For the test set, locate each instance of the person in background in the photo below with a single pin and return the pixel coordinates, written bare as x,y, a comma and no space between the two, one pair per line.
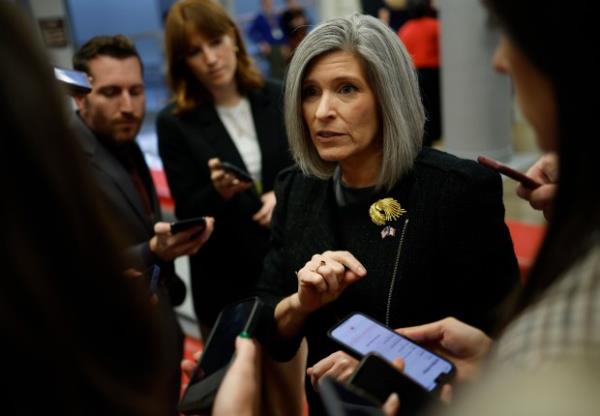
421,36
554,320
107,122
294,24
78,337
222,110
266,31
370,221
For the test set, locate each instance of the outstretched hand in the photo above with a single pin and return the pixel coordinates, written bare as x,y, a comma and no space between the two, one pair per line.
324,278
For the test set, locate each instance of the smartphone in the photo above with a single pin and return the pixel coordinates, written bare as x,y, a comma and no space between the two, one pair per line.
525,180
240,174
378,378
360,334
345,400
182,225
217,354
76,82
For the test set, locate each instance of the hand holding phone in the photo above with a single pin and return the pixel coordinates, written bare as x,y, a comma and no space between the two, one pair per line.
240,174
360,334
525,180
243,316
378,378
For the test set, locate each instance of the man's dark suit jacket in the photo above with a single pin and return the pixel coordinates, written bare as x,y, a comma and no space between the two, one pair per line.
125,209
186,143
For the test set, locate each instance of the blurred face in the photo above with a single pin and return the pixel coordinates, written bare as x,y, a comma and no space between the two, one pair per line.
213,60
533,90
340,111
115,107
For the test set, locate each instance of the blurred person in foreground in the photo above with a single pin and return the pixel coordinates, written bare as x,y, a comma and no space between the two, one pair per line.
370,221
552,328
79,338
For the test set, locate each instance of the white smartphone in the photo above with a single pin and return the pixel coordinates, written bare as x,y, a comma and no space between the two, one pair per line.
360,335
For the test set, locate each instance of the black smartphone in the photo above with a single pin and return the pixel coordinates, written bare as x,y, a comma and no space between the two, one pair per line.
182,225
345,400
76,82
360,334
525,180
240,174
379,378
218,351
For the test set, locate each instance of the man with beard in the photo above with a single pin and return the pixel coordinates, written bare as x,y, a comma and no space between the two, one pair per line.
108,120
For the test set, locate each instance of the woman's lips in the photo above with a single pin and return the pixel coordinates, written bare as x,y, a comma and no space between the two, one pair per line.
327,135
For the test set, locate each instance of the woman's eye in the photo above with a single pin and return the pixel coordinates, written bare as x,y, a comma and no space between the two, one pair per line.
216,41
193,51
348,89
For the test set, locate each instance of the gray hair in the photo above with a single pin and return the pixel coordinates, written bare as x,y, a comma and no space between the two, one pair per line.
393,81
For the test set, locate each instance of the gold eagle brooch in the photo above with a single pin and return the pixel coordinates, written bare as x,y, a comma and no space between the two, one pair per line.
386,210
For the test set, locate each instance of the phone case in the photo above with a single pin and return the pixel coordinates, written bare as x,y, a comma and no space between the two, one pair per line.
379,379
182,225
344,399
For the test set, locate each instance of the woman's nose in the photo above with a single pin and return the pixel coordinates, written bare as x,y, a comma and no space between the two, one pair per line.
325,106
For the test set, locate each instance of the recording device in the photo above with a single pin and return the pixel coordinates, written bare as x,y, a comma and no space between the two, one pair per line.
525,180
76,82
240,174
345,400
218,352
379,379
188,223
360,334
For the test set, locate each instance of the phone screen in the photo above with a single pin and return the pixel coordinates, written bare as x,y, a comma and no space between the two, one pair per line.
220,345
364,335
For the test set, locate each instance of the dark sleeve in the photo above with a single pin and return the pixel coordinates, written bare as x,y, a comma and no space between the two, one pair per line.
278,280
186,169
477,246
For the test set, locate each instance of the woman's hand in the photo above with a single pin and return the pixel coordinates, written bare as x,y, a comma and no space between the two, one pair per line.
226,184
240,391
462,344
545,171
325,277
338,365
263,216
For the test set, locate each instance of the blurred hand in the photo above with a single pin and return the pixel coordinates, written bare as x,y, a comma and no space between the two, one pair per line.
338,365
240,392
263,216
188,366
462,344
545,171
226,184
168,247
325,277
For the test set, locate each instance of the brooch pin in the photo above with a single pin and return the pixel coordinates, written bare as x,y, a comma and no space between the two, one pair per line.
386,210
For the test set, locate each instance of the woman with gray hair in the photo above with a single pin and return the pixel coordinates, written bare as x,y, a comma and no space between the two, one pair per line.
368,220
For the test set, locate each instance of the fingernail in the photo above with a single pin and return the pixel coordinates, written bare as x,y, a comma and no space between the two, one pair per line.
245,335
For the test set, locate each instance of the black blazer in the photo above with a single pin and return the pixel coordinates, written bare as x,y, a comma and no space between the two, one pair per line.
452,255
186,143
124,206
